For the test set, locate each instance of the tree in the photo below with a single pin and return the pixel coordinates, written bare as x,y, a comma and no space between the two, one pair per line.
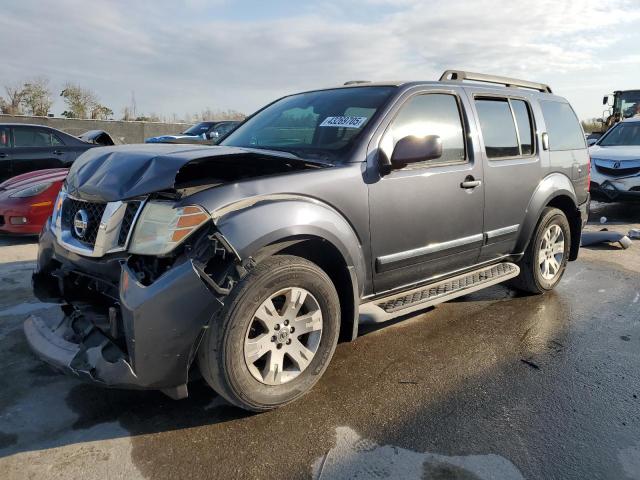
13,104
83,103
37,97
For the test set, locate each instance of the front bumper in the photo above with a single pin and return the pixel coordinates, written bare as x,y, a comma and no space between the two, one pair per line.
614,189
145,339
35,214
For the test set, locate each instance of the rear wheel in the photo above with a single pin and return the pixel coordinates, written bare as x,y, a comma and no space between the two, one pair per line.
275,335
546,257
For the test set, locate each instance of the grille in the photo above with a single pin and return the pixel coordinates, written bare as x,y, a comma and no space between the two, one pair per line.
94,214
618,172
127,222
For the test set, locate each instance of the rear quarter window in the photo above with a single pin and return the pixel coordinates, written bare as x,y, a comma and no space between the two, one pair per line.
563,127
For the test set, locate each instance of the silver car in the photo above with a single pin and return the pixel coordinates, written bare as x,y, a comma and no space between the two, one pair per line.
615,162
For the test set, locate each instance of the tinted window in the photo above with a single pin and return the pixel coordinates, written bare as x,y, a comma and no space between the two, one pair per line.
623,134
55,141
498,129
563,128
4,137
523,122
315,124
31,137
432,114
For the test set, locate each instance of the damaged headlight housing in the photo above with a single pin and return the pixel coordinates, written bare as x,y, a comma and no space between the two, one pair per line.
161,227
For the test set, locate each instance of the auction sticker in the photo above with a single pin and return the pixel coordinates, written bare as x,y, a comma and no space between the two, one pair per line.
344,122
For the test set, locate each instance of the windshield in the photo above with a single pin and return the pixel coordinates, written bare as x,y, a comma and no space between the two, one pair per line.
322,124
198,129
622,134
628,103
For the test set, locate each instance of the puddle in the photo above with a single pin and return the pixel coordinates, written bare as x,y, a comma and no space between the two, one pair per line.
356,457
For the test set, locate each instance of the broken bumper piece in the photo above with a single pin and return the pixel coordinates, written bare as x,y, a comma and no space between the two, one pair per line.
145,338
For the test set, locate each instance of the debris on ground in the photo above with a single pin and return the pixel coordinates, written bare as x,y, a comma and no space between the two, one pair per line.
634,233
605,236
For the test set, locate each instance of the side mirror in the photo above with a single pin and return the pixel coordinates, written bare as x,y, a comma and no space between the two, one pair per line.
605,100
413,149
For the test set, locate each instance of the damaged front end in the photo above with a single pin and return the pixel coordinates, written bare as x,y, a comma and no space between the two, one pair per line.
127,319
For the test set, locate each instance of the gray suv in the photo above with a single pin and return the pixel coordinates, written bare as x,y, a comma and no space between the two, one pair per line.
250,260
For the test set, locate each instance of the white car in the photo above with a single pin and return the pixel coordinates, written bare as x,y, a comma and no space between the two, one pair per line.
615,163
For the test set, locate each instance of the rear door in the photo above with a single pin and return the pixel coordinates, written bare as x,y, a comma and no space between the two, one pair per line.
424,219
36,149
512,167
5,153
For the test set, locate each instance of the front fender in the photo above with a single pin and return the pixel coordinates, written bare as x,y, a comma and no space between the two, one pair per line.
552,186
251,224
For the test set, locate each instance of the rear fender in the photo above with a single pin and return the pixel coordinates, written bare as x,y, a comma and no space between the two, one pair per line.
553,186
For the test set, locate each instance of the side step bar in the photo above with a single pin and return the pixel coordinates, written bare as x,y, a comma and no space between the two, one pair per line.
383,309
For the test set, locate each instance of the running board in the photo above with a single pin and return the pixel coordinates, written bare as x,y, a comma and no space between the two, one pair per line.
431,294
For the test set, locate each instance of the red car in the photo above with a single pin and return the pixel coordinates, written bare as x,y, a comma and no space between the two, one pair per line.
26,201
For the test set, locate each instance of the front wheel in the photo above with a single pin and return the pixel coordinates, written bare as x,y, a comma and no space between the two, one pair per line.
546,257
275,335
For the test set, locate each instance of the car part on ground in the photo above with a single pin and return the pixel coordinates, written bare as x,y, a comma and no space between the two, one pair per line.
255,256
605,236
26,201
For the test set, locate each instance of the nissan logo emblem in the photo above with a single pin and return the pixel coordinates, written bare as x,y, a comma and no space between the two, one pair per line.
80,223
616,164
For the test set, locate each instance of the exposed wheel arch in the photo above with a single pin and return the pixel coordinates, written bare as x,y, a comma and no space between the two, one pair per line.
327,256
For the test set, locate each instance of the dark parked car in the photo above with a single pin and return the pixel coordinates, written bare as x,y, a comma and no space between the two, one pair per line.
206,133
249,260
26,148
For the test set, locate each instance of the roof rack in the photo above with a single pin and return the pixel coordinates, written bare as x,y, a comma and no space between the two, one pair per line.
459,75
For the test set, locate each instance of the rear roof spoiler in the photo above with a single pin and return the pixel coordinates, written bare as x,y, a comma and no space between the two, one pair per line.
460,75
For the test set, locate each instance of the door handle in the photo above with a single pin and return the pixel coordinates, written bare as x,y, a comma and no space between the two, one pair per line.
58,152
470,182
3,155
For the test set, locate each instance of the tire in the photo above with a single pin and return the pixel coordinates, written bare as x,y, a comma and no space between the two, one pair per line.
228,349
532,276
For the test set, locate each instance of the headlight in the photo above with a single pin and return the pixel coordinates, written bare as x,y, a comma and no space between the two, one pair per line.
161,227
31,191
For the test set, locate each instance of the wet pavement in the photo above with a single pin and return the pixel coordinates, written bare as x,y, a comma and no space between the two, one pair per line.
491,385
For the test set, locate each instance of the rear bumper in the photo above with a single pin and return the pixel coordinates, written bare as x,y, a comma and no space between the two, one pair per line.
146,338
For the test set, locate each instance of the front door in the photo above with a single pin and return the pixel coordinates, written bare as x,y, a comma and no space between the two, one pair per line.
5,153
427,218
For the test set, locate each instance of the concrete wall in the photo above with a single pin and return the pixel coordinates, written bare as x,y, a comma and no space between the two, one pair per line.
125,132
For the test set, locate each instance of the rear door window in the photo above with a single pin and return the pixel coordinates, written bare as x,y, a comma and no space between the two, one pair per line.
498,128
4,137
563,127
523,121
31,137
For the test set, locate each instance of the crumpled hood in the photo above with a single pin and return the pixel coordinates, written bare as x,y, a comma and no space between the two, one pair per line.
108,174
615,153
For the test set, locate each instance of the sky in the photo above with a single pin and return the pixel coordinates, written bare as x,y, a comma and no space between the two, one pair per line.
184,57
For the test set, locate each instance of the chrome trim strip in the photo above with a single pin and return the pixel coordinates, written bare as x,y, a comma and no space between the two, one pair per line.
428,250
499,232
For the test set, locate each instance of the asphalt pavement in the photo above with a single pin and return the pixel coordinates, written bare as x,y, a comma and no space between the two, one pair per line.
494,385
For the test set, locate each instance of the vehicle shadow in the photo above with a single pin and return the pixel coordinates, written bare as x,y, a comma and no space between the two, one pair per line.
11,240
